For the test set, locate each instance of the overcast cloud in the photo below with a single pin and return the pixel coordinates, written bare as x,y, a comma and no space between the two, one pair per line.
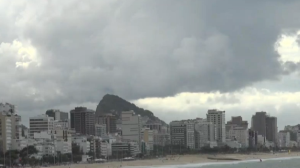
60,54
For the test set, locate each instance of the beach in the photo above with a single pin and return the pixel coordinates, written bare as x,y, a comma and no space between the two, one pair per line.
183,159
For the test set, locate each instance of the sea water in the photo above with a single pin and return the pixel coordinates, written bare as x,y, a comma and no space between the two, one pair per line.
289,162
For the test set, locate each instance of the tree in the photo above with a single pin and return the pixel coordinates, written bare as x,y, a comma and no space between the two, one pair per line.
11,156
26,152
76,149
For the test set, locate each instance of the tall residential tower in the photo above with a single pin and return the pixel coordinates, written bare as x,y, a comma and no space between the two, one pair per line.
218,119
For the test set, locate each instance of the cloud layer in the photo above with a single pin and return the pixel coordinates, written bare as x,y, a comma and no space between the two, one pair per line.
62,53
284,105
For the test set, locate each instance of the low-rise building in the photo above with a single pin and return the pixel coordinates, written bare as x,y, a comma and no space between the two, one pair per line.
293,144
105,149
19,144
61,124
83,143
125,149
233,144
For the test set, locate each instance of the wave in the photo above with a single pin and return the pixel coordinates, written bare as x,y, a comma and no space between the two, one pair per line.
197,165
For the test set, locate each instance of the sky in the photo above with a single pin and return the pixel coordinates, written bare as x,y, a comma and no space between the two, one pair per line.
175,58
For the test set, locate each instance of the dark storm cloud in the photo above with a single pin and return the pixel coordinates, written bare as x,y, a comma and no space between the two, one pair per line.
139,49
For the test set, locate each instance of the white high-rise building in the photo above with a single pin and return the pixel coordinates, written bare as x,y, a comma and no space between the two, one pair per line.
131,126
218,119
283,139
241,135
6,135
9,126
190,134
204,133
40,123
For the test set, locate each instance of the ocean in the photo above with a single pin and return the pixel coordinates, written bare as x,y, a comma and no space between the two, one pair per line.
291,162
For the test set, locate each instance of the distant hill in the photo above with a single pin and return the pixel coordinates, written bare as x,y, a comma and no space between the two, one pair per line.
115,105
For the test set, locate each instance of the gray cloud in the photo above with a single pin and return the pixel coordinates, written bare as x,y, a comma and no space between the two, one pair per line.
139,49
283,114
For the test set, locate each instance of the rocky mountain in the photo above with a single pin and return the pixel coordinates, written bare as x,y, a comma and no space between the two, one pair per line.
115,105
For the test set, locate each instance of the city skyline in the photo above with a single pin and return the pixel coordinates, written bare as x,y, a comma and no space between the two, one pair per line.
176,60
227,117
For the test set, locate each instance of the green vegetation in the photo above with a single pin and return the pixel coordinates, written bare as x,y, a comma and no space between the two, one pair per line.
114,104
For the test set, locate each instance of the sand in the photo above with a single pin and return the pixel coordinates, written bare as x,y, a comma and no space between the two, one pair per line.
181,159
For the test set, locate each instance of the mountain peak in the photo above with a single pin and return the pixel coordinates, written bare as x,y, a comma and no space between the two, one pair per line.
116,105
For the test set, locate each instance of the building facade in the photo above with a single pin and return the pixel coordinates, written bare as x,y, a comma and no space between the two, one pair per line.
131,126
241,135
235,122
83,143
83,120
58,115
258,123
6,135
40,123
100,130
271,129
265,125
204,133
218,119
110,121
148,138
10,128
178,133
284,139
252,138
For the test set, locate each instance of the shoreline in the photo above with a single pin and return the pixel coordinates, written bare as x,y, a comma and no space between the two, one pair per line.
188,159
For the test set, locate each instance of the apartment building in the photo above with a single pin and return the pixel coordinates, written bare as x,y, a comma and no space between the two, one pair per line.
271,129
183,133
63,124
148,138
83,143
238,121
6,134
241,135
40,123
178,133
153,125
218,119
58,115
110,121
265,125
252,138
190,134
125,149
235,122
284,139
83,120
100,130
62,139
204,133
131,126
105,149
10,127
161,138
